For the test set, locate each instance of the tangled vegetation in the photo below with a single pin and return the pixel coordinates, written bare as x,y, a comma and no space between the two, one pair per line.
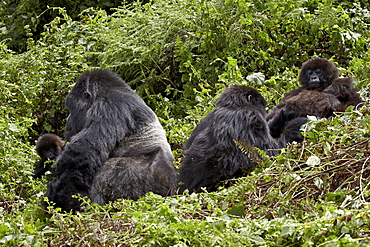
179,55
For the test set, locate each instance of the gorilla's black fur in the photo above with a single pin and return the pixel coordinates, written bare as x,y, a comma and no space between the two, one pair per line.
321,94
48,147
117,149
211,154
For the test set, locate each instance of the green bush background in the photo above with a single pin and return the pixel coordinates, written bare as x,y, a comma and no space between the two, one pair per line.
179,55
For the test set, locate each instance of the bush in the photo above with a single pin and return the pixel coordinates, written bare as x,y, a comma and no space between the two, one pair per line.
15,15
37,81
179,55
174,49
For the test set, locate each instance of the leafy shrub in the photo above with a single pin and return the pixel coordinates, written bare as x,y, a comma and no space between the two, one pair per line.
179,55
174,49
37,81
35,14
188,43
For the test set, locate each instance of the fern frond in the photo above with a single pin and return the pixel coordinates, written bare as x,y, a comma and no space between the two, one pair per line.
251,151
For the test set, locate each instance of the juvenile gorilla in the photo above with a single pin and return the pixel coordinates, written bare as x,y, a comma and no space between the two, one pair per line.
117,149
321,94
48,147
211,154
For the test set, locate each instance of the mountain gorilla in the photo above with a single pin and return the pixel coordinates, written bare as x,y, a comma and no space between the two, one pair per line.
117,149
48,147
321,94
211,154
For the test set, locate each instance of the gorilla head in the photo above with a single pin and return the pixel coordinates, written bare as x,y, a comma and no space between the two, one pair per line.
48,147
93,89
317,74
240,96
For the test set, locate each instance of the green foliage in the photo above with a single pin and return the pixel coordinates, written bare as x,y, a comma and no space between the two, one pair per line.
15,160
15,15
36,82
19,194
179,56
175,49
190,43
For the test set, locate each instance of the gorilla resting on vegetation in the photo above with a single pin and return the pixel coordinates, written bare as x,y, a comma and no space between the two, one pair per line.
321,94
48,147
117,149
211,154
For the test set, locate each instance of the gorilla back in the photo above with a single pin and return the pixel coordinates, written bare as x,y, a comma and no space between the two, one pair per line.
117,149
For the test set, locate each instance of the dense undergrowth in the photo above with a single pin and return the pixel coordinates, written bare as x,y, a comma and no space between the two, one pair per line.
179,55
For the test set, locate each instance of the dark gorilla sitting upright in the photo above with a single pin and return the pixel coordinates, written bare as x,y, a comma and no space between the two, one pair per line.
117,149
211,154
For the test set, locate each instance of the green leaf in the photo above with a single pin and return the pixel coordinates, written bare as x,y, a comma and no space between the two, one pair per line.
4,229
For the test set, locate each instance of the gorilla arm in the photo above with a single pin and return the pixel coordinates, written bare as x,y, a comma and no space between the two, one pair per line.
276,110
344,91
308,102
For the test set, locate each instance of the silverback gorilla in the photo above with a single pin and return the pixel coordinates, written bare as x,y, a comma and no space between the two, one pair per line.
321,94
48,147
211,154
117,149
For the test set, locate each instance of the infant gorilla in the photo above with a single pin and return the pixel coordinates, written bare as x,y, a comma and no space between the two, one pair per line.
48,147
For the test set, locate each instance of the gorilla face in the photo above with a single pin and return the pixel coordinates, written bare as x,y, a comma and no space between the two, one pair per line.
315,78
317,74
51,153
